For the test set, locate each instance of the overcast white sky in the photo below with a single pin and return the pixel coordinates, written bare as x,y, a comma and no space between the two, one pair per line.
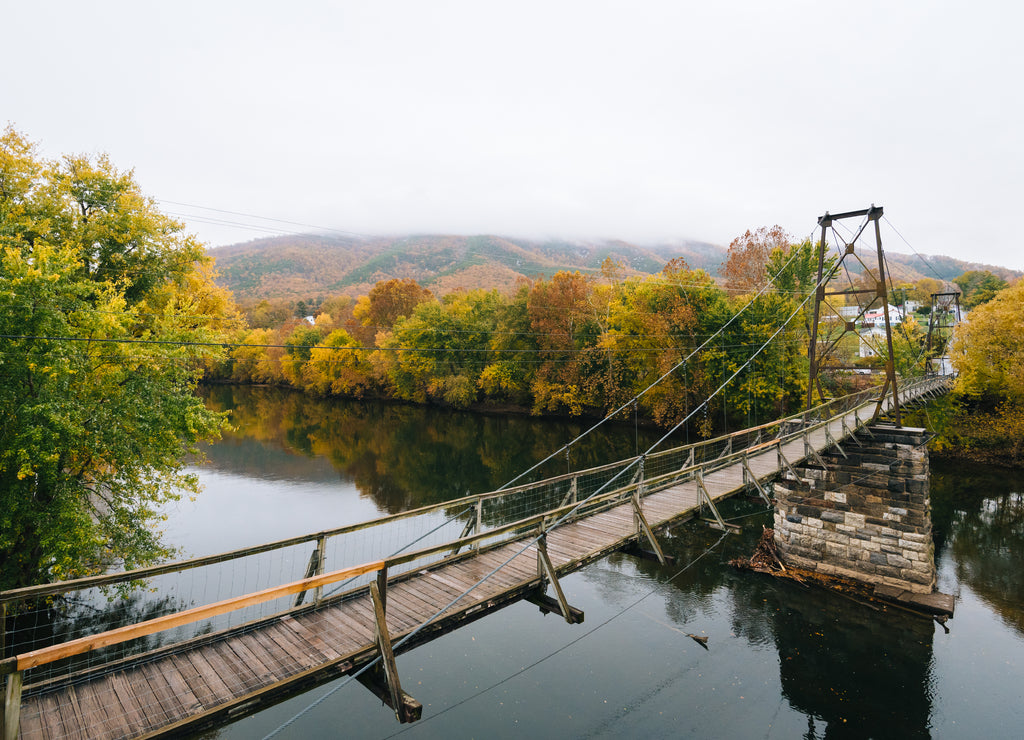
634,120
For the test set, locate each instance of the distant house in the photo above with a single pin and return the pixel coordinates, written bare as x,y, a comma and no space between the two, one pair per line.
872,337
876,316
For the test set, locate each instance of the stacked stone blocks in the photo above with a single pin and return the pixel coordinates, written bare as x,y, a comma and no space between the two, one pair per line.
867,516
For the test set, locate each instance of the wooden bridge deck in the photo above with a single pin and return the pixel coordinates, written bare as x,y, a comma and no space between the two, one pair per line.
205,684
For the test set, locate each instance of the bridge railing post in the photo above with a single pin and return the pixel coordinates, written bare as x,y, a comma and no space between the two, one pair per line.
321,561
638,494
315,568
479,521
12,705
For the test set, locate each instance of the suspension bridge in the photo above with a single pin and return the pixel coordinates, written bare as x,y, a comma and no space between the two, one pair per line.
182,647
179,662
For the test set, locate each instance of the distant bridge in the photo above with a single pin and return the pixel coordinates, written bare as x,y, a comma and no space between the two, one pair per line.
220,637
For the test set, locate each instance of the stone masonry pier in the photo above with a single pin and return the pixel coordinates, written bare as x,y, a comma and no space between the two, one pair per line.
864,515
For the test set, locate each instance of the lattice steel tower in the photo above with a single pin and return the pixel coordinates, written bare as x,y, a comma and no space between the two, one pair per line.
833,322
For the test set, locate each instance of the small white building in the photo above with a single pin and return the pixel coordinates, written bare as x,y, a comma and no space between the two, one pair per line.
876,316
872,337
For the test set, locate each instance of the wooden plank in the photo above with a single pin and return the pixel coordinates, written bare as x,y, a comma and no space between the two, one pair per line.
584,536
660,507
434,593
71,714
414,602
263,673
132,708
562,553
600,535
361,619
32,721
309,627
344,624
270,656
225,663
574,548
448,580
300,652
213,682
443,597
98,721
603,531
206,696
49,711
522,566
473,571
603,538
160,699
405,613
183,693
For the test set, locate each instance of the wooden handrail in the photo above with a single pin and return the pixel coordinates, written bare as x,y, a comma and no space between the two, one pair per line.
169,621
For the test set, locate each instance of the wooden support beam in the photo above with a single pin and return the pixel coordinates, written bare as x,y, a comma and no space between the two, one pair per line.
817,457
552,576
387,657
315,568
470,524
551,606
570,495
851,433
375,680
830,438
382,586
12,705
645,529
719,522
753,479
784,461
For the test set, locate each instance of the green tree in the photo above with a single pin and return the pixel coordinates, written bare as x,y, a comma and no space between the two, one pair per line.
453,338
102,302
979,286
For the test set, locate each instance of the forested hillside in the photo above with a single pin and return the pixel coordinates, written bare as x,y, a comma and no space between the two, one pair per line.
309,266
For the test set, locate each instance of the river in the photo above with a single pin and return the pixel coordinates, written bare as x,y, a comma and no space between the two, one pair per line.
781,661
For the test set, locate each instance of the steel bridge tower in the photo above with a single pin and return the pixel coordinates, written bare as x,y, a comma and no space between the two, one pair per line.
832,322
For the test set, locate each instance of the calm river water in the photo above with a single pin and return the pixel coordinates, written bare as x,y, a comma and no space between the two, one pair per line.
781,661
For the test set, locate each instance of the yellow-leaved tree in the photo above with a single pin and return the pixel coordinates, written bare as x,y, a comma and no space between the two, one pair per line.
988,354
107,309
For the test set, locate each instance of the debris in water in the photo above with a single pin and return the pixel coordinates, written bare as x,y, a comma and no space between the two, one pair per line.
702,641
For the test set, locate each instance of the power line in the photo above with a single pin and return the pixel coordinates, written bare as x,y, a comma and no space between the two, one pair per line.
262,218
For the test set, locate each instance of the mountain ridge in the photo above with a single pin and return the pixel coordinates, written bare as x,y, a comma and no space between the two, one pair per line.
307,265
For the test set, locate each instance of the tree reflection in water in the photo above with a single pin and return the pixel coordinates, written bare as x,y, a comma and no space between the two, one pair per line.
405,456
978,513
